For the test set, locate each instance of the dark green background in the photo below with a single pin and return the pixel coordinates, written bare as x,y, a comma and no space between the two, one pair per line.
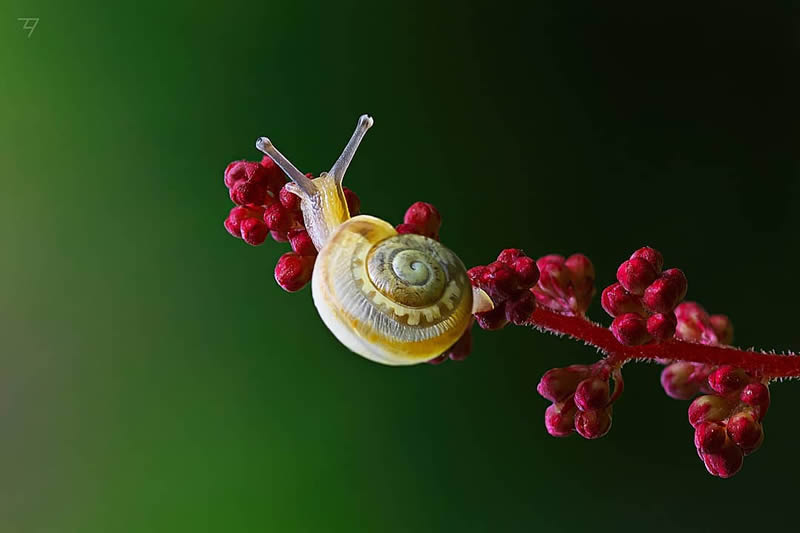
153,377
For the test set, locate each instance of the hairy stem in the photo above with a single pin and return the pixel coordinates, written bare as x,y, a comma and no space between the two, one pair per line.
760,364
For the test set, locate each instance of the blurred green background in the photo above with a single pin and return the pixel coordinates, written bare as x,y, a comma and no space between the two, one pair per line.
155,378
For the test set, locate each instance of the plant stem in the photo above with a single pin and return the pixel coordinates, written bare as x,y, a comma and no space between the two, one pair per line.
760,364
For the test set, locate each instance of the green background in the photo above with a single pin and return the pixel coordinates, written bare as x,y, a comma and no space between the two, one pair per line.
153,377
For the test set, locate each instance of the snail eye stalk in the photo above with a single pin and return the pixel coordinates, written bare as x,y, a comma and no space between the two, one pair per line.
265,146
339,168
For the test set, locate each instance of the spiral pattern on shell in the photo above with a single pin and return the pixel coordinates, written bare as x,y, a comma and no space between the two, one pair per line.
395,299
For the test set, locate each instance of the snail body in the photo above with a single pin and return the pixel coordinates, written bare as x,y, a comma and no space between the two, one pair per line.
395,299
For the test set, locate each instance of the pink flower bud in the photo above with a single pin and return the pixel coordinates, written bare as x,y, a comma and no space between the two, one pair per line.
756,395
581,271
662,326
553,278
725,463
727,379
708,408
294,271
683,380
630,329
666,292
559,418
710,437
592,394
593,424
650,255
745,431
635,275
557,384
519,309
253,231
617,301
694,324
301,242
723,327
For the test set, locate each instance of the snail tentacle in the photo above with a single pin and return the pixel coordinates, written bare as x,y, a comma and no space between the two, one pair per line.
339,168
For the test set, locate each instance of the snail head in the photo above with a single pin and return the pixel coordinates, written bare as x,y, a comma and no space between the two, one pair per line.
322,200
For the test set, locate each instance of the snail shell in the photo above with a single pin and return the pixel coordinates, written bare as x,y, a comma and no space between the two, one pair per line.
394,299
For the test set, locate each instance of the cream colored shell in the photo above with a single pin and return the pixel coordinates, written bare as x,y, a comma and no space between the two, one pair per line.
394,299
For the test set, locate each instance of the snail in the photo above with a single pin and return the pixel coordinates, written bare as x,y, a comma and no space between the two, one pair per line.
395,299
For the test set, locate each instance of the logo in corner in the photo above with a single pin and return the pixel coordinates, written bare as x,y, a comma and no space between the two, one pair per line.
29,23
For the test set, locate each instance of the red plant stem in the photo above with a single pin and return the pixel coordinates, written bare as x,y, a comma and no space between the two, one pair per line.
760,364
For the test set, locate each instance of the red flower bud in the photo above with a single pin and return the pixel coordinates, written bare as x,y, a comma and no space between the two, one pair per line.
662,326
650,255
499,281
527,271
294,271
289,200
745,431
727,379
425,216
254,231
617,301
666,292
246,192
592,394
756,395
559,418
635,275
279,219
593,424
509,255
710,437
559,383
301,242
708,408
630,329
725,463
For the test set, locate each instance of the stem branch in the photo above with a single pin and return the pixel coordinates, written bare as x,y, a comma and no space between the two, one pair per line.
760,364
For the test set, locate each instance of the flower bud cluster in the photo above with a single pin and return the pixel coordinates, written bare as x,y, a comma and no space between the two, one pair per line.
644,298
565,285
508,282
683,380
727,422
582,401
265,206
